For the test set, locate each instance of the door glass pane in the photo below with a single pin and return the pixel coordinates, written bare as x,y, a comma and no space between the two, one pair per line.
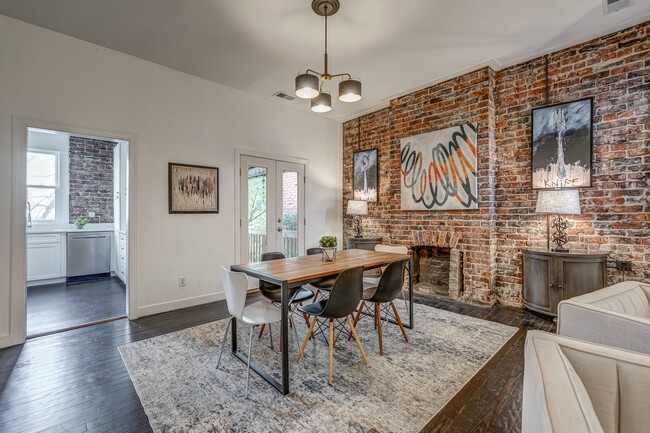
257,210
41,203
290,213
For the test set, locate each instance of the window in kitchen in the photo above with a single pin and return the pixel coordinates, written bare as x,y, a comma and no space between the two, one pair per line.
43,185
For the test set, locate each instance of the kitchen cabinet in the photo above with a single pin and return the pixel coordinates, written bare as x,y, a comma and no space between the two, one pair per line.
44,252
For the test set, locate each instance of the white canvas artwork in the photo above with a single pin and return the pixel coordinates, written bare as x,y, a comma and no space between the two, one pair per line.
439,170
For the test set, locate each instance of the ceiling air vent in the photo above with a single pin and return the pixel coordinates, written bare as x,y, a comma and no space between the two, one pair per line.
610,6
284,96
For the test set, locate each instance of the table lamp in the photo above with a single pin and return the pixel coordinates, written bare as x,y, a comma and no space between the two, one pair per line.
559,202
358,208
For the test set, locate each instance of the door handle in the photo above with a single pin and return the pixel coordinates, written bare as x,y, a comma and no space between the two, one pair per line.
279,229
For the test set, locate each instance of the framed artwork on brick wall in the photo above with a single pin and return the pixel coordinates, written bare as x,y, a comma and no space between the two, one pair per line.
562,139
439,169
366,174
193,189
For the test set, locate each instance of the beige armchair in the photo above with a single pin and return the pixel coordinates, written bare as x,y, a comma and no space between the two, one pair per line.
572,386
617,316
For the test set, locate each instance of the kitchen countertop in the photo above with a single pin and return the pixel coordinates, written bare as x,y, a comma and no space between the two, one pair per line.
69,230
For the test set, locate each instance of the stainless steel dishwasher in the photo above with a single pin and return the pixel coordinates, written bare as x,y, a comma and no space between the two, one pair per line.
88,255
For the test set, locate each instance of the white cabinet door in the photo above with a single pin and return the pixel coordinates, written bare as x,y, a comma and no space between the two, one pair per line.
43,261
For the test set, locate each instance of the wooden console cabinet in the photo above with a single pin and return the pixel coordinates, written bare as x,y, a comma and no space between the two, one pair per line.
549,277
362,243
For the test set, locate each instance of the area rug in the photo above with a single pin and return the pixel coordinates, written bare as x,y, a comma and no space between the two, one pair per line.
181,390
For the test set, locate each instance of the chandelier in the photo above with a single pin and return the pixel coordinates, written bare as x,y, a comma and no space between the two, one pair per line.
310,84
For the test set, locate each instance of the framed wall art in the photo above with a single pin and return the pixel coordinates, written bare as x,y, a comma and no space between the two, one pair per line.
193,189
366,174
439,169
562,140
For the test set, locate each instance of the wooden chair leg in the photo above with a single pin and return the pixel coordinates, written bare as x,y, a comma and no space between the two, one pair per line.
363,303
331,349
311,329
356,337
399,321
378,321
315,296
262,330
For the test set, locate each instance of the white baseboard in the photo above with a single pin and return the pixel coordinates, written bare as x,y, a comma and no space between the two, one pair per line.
5,341
45,282
163,307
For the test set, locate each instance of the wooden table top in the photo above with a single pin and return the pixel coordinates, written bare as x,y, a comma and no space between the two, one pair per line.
304,268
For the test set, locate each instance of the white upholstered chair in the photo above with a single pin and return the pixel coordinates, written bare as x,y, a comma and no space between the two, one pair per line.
617,316
571,386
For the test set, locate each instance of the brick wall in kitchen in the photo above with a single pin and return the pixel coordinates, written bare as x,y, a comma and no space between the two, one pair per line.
91,179
614,70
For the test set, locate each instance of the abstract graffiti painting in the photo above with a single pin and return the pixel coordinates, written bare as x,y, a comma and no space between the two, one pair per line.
365,175
561,148
439,169
193,189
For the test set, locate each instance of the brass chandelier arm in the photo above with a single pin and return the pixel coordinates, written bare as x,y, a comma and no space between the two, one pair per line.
345,74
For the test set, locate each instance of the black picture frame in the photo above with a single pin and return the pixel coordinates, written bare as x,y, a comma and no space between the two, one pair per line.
365,175
576,148
201,195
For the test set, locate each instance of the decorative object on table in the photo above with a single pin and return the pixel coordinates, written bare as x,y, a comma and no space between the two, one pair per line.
357,208
439,169
193,189
365,175
310,84
559,202
548,278
562,145
328,244
81,222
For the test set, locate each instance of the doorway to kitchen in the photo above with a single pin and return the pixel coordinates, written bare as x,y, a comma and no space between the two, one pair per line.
76,230
272,208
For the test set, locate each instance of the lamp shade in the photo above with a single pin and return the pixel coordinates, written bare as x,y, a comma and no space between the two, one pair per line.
558,201
349,91
357,207
322,103
306,86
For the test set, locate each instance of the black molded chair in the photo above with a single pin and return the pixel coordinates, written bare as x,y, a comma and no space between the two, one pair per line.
273,292
382,295
344,298
324,284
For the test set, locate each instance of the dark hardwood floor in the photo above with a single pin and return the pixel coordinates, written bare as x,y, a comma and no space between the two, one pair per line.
75,381
60,306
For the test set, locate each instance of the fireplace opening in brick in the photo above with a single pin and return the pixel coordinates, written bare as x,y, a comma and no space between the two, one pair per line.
438,270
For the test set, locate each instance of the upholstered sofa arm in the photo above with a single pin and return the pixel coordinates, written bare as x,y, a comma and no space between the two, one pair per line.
579,318
602,326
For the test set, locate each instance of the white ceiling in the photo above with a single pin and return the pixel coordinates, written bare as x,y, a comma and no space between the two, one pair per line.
259,46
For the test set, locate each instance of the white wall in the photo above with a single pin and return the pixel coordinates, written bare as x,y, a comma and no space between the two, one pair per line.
176,118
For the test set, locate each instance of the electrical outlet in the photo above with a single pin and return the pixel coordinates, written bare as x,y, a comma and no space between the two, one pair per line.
91,214
181,281
623,266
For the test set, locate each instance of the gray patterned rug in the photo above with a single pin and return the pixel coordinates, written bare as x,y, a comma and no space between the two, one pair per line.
182,391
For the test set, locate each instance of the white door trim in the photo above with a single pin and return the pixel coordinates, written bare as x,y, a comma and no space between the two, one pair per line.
239,152
18,271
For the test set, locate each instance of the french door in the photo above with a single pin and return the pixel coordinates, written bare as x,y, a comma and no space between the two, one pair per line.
272,208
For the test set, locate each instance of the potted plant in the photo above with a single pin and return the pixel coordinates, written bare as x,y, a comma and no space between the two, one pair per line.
328,244
81,222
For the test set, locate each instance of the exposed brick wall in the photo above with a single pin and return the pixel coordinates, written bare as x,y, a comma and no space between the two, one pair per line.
91,179
615,69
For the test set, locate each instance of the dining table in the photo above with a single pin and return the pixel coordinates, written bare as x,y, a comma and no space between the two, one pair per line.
298,271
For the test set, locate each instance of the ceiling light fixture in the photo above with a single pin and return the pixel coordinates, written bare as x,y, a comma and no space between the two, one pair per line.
310,84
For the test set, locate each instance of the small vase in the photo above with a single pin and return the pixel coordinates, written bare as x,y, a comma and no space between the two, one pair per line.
329,254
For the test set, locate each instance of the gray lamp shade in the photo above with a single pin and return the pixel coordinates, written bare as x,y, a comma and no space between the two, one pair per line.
321,103
560,201
306,86
357,207
349,91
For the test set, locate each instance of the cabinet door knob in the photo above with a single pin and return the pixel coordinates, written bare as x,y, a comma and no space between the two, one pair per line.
550,284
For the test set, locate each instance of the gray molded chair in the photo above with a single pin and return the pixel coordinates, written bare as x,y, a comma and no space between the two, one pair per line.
374,280
273,292
324,284
344,298
382,296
